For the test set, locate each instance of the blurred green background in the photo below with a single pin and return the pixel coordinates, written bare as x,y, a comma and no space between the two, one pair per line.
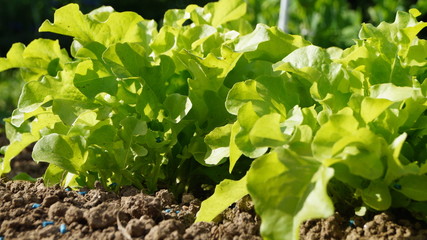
329,23
323,22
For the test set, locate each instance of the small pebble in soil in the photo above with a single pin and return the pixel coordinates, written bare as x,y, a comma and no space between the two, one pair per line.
63,228
351,223
47,223
35,205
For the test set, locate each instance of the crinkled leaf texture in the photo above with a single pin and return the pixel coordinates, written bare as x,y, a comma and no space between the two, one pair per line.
328,113
130,99
135,104
287,190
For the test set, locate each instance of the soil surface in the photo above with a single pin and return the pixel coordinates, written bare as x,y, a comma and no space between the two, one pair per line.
29,210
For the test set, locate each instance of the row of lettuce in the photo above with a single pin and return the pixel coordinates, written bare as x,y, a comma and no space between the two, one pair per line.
320,22
207,98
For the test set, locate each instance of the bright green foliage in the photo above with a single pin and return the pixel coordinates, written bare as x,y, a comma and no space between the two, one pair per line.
288,189
356,115
131,100
142,106
226,193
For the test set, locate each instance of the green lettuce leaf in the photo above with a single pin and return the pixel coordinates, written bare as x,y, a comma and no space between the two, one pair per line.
287,190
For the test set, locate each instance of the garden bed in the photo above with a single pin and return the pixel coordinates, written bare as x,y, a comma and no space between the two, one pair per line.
206,102
31,210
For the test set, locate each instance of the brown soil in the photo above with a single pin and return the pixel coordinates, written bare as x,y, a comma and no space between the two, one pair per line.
32,211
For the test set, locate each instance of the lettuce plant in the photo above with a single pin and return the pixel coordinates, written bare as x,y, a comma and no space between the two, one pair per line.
132,103
327,126
206,93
